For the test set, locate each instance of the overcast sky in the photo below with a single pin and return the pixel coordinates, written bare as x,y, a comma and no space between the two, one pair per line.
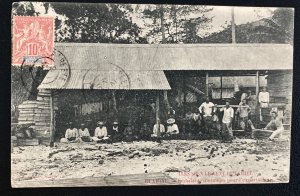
222,16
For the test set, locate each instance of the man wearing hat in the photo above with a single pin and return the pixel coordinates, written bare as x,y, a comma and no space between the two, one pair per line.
84,133
100,132
158,129
275,124
116,132
227,134
172,127
71,134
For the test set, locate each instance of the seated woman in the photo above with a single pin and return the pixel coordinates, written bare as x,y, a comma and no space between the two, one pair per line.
71,134
172,128
100,132
276,125
129,132
84,133
145,132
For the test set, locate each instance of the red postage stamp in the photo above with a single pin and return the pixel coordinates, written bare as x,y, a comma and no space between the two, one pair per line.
33,39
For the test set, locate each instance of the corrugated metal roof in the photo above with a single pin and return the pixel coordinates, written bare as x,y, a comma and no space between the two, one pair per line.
178,56
143,64
111,79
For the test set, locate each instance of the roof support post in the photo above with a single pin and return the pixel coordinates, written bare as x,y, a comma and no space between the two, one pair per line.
221,81
206,83
257,110
157,105
114,101
52,128
166,99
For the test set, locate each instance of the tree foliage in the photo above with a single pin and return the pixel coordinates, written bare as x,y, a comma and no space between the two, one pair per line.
276,29
174,23
100,23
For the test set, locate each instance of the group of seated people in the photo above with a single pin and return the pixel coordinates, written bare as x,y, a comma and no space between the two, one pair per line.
129,133
204,120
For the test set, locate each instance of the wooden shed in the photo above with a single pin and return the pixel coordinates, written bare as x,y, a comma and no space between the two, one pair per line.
102,68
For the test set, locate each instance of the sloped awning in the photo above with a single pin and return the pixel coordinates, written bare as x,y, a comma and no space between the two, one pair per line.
107,79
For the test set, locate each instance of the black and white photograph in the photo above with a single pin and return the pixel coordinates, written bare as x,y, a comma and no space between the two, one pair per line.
150,94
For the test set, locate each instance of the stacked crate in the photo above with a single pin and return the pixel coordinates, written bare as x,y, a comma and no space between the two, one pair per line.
42,115
26,112
38,113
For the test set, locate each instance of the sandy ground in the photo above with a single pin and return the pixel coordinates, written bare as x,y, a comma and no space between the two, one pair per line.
187,162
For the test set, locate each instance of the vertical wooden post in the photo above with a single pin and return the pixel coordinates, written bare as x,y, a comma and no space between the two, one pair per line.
52,129
206,83
114,100
257,113
166,99
221,78
157,105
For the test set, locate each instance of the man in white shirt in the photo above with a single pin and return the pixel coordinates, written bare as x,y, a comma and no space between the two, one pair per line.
172,128
84,133
227,134
100,132
158,131
264,98
71,134
207,109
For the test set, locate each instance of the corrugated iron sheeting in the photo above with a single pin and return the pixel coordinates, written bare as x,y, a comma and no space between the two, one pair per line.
178,56
113,79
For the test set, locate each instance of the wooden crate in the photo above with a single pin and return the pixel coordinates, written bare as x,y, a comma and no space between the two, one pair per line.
28,142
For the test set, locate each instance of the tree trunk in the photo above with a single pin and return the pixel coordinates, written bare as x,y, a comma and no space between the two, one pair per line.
162,23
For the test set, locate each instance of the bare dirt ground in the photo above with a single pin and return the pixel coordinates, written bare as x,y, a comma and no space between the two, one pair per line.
187,162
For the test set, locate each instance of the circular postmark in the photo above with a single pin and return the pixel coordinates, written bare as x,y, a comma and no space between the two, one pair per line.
56,78
115,78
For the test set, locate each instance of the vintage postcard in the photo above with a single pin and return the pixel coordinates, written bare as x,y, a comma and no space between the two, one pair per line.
133,94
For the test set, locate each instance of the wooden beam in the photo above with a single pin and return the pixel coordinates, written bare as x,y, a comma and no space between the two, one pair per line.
221,81
257,116
52,128
157,105
166,99
206,82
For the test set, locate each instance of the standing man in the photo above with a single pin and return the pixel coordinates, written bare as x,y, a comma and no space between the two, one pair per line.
244,111
264,98
226,133
207,109
252,104
275,124
100,132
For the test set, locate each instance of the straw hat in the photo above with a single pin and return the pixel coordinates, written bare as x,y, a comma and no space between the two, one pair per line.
273,111
100,123
171,121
